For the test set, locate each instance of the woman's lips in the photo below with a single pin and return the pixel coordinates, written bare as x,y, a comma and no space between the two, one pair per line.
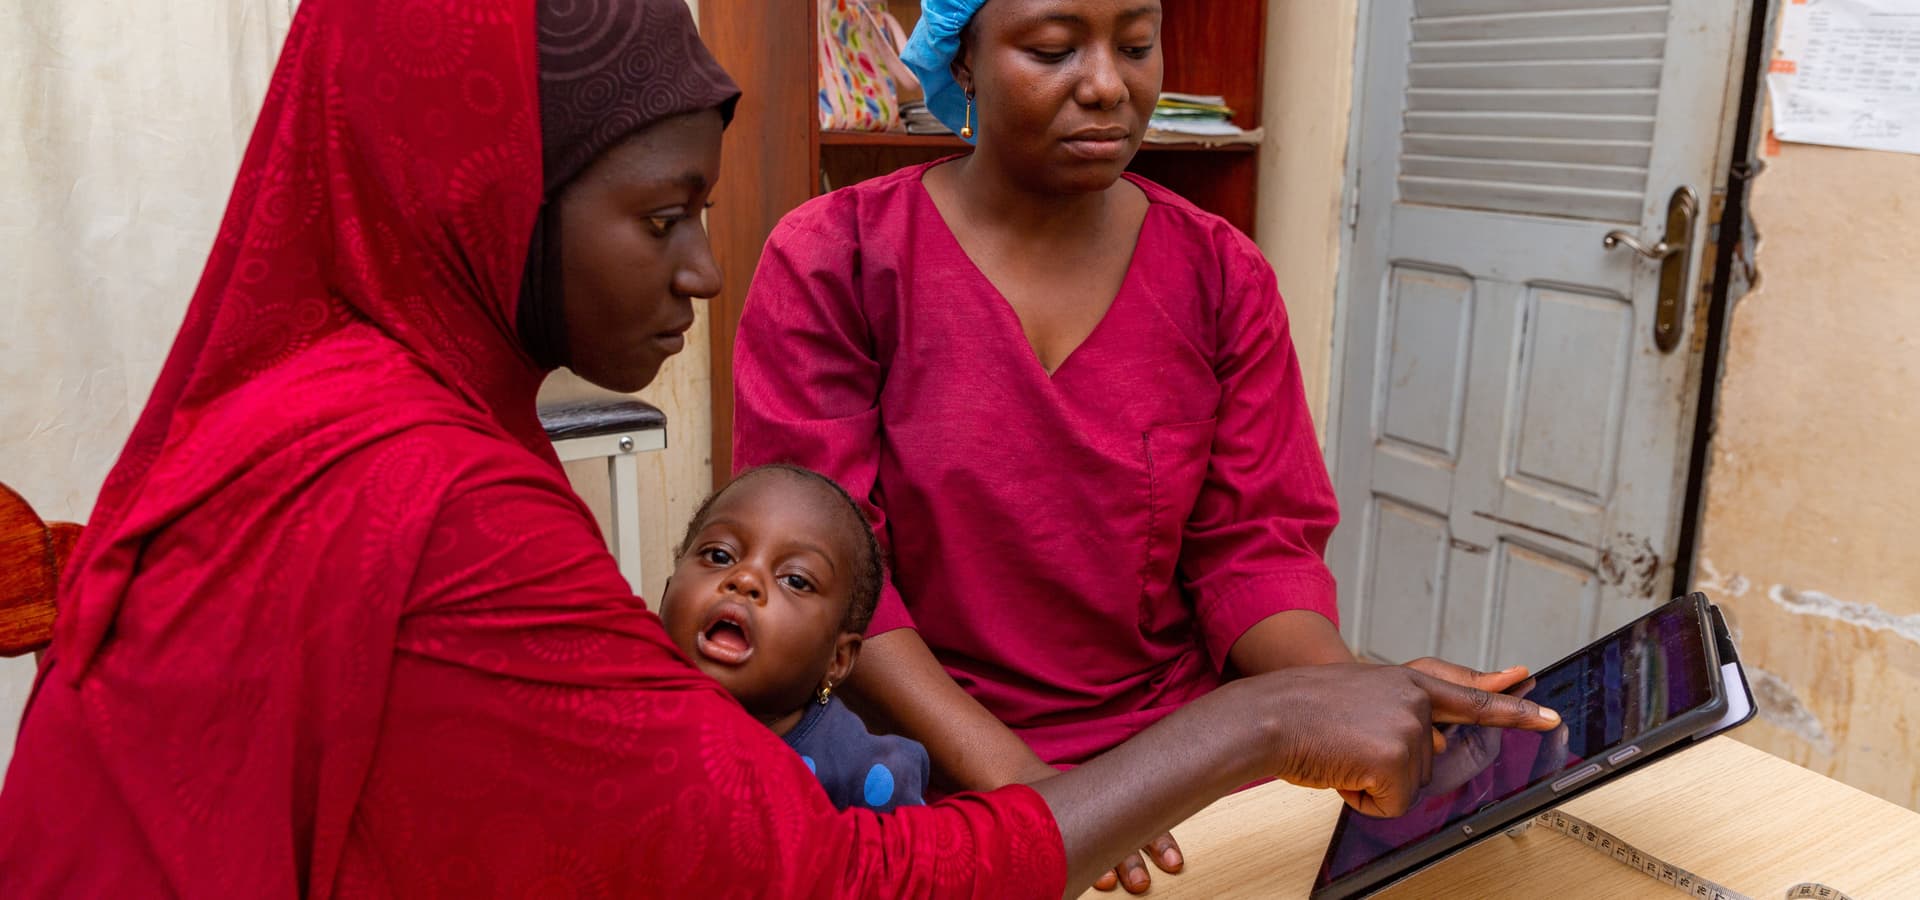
673,340
1101,143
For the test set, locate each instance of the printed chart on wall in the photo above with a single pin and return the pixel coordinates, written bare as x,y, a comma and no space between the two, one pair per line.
1847,74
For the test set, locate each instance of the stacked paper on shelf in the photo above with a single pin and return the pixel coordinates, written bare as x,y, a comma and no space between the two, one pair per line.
1177,105
1202,118
918,120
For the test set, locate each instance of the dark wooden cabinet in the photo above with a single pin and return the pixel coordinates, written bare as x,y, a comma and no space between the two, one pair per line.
776,156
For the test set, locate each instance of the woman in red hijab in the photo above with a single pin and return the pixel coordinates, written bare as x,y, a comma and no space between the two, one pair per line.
339,626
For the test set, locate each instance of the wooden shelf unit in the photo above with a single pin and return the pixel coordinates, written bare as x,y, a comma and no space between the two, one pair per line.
950,142
777,157
889,139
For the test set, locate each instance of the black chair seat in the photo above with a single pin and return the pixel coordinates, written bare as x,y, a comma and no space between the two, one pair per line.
596,417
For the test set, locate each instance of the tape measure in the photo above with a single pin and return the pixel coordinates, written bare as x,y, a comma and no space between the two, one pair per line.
1604,842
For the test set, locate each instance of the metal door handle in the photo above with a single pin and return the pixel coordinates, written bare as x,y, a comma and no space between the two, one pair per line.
1657,252
1671,253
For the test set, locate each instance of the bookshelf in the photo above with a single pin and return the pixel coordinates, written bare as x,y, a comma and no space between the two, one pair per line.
776,154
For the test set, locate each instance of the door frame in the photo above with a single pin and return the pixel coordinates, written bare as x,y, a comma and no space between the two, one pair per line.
1733,270
1728,225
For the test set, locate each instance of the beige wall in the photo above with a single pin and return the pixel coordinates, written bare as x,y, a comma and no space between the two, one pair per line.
1308,97
1811,526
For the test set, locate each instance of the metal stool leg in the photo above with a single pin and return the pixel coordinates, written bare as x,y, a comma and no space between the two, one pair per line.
623,477
615,428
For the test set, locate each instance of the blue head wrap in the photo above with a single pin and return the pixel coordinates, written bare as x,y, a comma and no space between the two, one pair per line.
930,52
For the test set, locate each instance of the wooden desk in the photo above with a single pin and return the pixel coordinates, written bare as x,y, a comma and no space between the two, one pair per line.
1726,811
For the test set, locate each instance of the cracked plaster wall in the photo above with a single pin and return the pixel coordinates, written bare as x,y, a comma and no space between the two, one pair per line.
1811,522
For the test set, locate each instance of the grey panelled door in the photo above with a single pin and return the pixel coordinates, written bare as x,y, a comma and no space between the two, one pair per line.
1511,440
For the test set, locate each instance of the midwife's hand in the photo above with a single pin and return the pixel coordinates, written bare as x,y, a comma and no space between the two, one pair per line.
1132,871
1465,751
1482,745
1491,682
1367,731
1552,756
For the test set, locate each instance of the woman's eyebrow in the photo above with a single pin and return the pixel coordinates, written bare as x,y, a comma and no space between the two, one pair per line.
1068,18
690,181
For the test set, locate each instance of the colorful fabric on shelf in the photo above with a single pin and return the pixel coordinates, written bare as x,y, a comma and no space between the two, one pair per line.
861,75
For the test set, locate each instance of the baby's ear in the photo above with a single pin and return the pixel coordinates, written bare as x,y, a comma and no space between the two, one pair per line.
846,651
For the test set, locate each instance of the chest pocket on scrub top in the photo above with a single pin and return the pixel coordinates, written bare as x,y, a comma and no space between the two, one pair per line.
1177,457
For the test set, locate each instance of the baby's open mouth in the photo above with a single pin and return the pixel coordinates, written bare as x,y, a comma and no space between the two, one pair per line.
726,639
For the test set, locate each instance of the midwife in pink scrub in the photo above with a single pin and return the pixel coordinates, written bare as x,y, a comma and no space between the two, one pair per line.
1068,400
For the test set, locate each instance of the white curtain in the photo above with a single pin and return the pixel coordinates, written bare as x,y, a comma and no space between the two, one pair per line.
126,120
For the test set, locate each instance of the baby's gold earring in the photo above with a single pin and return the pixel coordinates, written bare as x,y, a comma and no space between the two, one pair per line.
826,693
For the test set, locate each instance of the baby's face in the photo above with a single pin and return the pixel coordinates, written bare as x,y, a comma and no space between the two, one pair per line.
759,598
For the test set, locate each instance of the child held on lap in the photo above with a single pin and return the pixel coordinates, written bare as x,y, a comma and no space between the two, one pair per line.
772,587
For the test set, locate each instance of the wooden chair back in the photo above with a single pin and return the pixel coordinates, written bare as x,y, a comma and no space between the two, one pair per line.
32,553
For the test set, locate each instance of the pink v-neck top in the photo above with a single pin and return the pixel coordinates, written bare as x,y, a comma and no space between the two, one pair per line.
1080,551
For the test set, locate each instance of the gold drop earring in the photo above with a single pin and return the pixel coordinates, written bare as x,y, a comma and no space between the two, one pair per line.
966,131
826,693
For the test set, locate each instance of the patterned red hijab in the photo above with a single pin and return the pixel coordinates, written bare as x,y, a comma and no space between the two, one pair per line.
387,200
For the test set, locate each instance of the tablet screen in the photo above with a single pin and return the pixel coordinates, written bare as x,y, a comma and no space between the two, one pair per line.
1630,684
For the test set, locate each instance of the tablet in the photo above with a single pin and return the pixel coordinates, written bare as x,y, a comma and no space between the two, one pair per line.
1654,686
